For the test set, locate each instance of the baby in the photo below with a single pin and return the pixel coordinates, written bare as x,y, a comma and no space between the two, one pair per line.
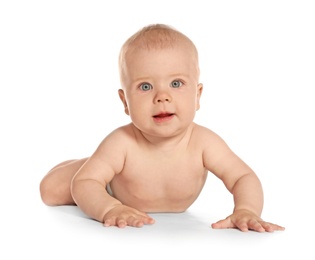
159,162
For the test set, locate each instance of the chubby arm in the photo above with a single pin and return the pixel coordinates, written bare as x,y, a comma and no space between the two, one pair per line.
241,181
89,191
88,187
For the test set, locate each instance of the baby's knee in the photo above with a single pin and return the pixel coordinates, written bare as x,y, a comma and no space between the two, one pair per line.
52,190
46,192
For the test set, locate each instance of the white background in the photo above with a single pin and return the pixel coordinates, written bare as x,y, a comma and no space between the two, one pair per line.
58,100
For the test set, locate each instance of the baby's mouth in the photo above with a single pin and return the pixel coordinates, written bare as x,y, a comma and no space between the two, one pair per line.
163,115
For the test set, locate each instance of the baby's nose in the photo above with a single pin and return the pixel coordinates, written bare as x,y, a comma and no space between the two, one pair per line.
162,97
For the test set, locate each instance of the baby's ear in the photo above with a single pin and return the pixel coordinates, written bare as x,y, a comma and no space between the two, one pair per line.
123,99
199,92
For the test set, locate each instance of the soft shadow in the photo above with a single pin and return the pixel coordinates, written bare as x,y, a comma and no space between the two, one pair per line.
169,228
71,210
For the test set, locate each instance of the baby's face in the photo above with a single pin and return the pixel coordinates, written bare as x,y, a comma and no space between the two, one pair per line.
161,91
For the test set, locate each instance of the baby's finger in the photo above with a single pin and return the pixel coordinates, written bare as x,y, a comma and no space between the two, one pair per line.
121,222
109,222
242,225
253,224
135,221
148,220
224,223
145,218
269,227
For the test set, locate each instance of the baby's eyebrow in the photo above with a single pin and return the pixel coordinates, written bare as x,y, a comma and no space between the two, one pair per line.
171,76
179,75
141,79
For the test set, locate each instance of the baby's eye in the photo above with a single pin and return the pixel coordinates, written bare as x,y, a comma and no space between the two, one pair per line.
145,86
176,84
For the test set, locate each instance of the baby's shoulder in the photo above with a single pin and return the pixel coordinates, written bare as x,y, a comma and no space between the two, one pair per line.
204,136
202,132
119,136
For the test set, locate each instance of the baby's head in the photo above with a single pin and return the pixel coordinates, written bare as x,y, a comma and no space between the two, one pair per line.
159,75
155,37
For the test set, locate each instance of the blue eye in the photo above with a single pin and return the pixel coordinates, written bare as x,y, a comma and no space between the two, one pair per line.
146,86
176,84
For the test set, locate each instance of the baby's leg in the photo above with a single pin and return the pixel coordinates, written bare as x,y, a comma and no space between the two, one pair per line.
55,186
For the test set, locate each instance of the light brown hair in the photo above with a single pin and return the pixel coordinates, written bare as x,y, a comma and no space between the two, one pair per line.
156,36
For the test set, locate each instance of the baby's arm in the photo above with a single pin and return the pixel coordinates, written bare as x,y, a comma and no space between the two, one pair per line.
88,187
242,182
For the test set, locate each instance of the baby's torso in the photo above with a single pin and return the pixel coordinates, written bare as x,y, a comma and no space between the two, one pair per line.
154,180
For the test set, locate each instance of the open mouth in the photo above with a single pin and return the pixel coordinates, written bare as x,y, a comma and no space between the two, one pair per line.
162,117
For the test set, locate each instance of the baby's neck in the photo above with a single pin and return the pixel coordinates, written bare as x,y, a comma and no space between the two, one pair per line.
166,143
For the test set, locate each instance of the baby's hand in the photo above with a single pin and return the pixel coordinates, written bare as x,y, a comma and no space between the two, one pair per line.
246,220
122,216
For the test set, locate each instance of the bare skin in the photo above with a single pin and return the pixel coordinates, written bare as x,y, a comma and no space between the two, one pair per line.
133,198
160,161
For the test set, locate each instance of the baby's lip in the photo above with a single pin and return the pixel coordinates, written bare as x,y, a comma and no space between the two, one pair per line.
163,114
